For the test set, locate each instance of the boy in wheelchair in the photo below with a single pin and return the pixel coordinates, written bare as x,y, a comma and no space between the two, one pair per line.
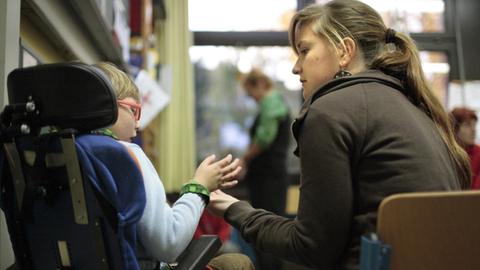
165,231
42,181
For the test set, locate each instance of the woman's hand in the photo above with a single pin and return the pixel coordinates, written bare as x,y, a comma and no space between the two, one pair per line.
217,174
220,202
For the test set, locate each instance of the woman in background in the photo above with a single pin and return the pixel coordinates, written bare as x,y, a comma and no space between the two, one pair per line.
265,160
465,123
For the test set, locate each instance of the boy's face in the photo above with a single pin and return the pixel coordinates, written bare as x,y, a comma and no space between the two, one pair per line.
126,126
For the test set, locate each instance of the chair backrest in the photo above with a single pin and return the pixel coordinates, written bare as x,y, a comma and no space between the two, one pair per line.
432,231
56,217
70,95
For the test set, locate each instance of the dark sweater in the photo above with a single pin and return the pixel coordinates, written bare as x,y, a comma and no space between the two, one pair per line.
357,144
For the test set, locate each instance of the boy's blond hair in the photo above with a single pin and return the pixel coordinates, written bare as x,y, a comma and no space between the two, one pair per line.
122,83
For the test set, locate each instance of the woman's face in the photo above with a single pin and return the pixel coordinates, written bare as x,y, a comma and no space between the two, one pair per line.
126,126
466,132
317,60
256,91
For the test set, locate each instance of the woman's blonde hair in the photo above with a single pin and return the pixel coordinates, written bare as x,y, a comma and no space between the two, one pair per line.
122,83
340,19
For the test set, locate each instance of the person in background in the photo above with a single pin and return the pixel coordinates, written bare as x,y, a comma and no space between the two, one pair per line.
464,123
164,231
370,127
265,158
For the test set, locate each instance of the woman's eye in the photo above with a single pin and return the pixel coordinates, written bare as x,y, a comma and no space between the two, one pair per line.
303,51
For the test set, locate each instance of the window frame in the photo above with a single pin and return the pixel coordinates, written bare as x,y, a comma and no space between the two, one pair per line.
443,42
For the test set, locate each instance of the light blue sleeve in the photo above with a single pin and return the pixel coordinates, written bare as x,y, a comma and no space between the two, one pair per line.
165,231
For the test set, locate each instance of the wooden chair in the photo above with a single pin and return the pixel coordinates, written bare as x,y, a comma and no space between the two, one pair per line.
431,230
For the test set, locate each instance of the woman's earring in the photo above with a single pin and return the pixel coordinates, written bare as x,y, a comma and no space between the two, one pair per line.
342,73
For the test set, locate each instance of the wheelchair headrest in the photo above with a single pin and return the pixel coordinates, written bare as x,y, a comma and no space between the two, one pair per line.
70,95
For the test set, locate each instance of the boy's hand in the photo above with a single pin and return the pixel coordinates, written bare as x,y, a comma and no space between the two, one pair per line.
230,173
217,174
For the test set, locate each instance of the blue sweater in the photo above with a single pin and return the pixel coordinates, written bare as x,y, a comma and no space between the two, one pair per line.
112,171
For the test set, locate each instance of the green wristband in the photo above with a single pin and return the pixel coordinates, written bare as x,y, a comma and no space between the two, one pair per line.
193,187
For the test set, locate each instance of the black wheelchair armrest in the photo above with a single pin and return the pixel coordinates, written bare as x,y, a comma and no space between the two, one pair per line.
198,253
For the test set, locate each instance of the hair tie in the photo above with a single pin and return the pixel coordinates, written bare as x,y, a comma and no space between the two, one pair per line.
390,41
390,36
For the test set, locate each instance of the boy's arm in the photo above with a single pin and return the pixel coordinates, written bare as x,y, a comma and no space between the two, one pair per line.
165,231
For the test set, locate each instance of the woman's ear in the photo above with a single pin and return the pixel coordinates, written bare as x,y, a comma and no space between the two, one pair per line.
348,52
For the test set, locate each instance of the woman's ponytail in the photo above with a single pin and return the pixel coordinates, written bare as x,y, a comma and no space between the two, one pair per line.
401,60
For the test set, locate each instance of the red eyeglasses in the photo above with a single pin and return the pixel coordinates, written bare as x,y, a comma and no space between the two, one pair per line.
136,108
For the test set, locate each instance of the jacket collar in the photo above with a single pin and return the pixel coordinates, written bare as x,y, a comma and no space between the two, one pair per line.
340,83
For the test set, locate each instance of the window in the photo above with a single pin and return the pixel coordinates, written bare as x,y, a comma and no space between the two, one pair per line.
410,16
224,113
436,68
245,15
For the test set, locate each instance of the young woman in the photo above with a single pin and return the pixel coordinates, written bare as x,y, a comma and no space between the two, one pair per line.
370,127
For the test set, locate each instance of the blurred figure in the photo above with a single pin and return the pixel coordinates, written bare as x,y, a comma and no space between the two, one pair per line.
464,123
265,159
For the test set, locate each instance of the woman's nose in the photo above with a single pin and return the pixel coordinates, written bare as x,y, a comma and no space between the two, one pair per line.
296,68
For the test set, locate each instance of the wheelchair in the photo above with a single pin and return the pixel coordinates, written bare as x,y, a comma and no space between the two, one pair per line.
71,198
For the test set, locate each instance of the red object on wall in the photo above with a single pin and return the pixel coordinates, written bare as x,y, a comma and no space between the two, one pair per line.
136,17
